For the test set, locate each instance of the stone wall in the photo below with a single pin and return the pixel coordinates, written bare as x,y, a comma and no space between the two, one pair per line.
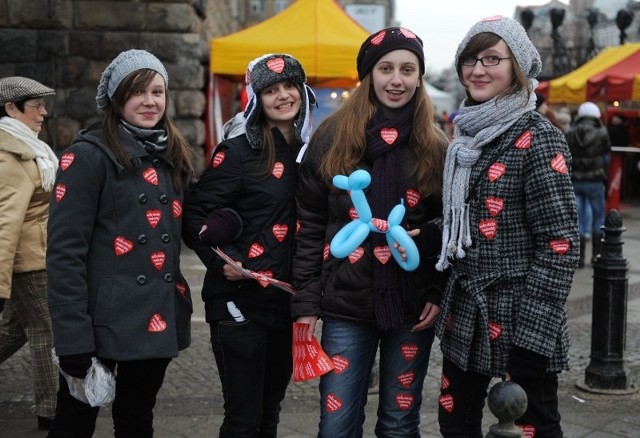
66,44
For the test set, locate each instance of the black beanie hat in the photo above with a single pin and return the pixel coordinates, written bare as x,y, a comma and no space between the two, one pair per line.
384,41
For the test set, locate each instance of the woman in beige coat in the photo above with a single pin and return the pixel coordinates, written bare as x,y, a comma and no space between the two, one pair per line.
27,172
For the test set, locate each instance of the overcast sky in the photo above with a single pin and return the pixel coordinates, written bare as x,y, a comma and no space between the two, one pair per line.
442,24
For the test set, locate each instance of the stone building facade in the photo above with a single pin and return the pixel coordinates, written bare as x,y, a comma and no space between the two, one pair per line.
66,44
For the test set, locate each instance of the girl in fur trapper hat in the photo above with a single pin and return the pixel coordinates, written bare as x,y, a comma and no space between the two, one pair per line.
244,203
510,237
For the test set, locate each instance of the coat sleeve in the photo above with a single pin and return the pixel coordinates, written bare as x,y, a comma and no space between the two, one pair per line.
73,211
550,210
312,209
217,188
14,201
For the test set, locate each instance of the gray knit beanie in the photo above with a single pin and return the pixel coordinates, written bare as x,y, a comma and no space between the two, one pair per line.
123,65
514,36
17,89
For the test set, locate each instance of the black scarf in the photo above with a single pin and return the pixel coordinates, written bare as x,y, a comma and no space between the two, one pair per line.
385,138
153,140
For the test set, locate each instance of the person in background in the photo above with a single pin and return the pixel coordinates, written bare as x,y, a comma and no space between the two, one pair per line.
543,108
590,147
27,171
510,238
386,127
116,291
244,203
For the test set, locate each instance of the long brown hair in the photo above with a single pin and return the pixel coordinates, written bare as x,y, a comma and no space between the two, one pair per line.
178,148
483,41
428,142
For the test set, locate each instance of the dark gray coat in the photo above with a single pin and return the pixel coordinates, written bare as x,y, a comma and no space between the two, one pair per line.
113,259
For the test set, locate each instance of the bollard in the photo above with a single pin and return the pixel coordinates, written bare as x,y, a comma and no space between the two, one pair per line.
607,372
508,402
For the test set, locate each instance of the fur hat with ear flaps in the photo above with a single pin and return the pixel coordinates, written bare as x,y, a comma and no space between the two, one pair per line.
265,71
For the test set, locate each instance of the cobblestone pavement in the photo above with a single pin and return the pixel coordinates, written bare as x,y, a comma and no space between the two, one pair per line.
190,401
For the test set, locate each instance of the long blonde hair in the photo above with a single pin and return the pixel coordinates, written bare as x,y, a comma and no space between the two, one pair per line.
428,142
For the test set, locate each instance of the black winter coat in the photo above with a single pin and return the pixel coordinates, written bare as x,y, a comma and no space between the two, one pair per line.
343,288
590,146
234,179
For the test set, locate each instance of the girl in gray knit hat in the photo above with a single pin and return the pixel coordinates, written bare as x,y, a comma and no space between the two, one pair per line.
116,292
510,237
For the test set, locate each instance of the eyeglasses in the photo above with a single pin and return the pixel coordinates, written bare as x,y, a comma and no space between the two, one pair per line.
38,106
486,61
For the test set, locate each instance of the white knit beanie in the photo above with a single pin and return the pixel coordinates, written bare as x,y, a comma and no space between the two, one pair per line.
123,65
514,36
589,109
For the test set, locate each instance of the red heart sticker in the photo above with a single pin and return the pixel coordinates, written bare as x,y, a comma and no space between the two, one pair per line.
406,379
176,207
404,401
409,351
153,217
377,40
353,214
558,164
407,33
280,231
333,403
151,176
488,228
446,402
61,190
560,246
157,259
276,65
255,250
66,160
382,253
380,224
524,141
121,245
494,205
218,158
326,251
412,197
278,169
157,323
528,431
356,255
340,363
495,171
263,277
495,330
389,135
182,290
444,382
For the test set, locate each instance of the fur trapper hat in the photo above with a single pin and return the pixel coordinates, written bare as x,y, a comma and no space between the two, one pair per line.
265,71
384,41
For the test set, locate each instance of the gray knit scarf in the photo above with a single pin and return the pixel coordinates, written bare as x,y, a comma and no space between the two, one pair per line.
475,127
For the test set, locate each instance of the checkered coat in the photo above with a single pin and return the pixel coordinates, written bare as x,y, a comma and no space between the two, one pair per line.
511,287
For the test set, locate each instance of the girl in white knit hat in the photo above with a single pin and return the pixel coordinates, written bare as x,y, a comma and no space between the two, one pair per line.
510,237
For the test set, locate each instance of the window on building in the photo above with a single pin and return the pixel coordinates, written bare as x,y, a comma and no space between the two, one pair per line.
280,5
257,6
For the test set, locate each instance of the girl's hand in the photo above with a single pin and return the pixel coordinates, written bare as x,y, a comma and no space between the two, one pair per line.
311,321
401,250
427,317
230,273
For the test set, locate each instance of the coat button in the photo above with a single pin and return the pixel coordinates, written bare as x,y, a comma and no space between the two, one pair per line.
156,162
168,278
141,280
142,239
142,198
165,238
164,199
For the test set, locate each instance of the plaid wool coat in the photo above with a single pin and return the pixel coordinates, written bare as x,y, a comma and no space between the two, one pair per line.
511,287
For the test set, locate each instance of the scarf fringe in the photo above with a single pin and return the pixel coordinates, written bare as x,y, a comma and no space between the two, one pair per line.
455,237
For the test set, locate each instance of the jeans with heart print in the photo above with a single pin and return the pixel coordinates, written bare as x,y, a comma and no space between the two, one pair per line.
404,358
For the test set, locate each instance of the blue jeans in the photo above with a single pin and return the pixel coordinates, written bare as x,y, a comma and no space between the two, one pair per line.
404,358
590,193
